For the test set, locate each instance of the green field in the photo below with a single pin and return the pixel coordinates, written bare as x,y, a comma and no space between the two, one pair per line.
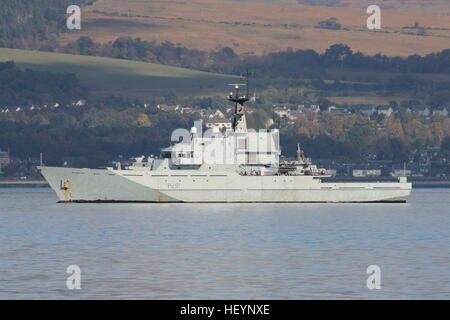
104,76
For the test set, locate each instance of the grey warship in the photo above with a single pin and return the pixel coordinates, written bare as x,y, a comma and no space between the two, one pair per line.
236,166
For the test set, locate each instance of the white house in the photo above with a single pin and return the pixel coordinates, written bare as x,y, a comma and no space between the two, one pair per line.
422,110
313,108
367,110
401,173
283,112
385,110
441,112
366,172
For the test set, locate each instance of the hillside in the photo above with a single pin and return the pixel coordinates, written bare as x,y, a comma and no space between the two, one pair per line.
25,23
114,76
258,27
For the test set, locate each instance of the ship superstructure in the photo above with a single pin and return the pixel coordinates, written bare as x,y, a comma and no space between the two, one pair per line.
237,165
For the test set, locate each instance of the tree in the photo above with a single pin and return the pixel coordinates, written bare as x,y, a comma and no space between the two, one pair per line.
30,24
86,45
332,23
143,120
19,87
337,53
445,147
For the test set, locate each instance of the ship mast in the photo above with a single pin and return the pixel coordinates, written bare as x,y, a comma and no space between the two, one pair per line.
239,121
300,154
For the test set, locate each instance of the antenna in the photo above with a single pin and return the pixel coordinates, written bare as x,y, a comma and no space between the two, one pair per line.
238,99
239,123
246,78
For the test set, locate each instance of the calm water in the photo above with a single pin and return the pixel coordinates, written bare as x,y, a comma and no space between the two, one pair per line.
223,251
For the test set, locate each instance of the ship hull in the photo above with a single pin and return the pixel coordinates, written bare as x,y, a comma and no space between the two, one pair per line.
105,185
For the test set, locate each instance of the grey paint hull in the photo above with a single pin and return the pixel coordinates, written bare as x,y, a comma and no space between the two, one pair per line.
104,185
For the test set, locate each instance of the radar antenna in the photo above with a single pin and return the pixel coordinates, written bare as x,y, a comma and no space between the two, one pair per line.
239,122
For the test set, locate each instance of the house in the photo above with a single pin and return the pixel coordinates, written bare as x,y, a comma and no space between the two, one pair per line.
216,122
165,107
440,112
282,112
338,111
250,110
424,111
385,111
366,109
313,108
218,114
295,115
331,108
366,173
401,173
79,103
209,114
187,110
5,158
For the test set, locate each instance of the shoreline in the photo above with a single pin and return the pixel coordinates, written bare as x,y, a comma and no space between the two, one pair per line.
23,183
416,182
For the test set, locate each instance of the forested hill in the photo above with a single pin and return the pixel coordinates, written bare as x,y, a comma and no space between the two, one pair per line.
27,22
29,87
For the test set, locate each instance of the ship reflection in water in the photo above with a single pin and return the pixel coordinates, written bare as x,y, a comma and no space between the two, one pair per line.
223,251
